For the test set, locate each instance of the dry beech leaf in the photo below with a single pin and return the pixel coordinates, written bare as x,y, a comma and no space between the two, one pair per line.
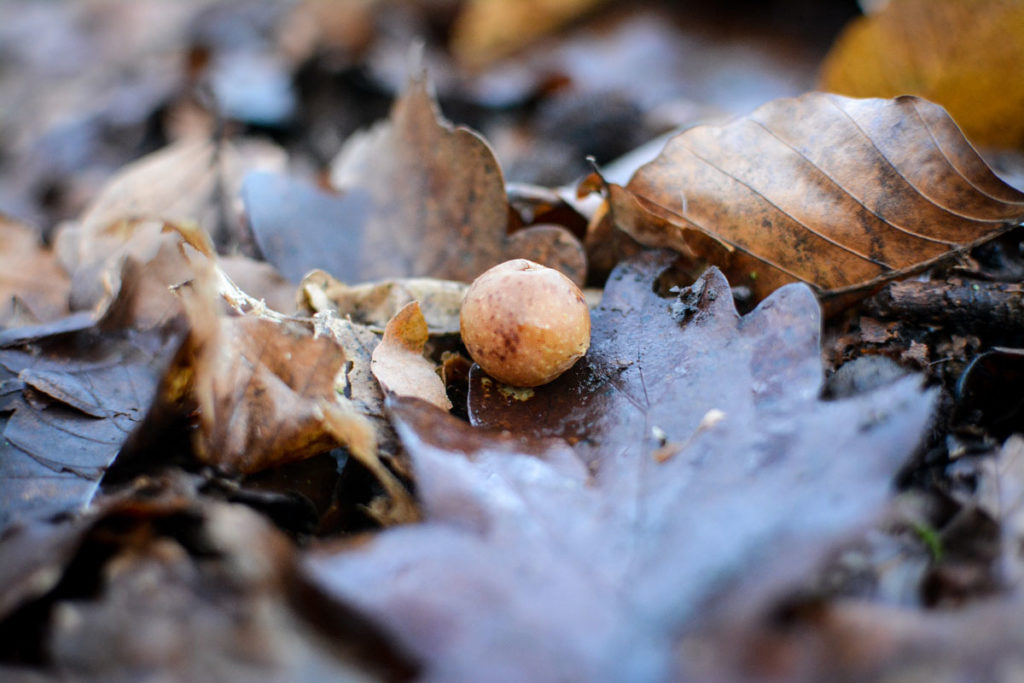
839,193
420,198
962,54
701,448
375,303
33,286
398,362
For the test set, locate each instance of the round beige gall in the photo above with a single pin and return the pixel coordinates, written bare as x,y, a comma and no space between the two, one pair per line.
524,323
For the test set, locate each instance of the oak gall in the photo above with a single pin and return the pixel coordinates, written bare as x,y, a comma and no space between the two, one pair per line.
524,323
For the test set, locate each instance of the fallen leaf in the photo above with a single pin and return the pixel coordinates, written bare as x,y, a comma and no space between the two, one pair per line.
419,198
74,395
398,362
266,389
361,388
33,286
962,54
486,30
700,450
189,183
256,383
839,193
375,303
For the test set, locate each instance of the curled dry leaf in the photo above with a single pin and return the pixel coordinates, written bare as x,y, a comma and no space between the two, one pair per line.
420,198
255,380
268,389
257,383
375,303
839,193
398,362
962,54
193,182
700,449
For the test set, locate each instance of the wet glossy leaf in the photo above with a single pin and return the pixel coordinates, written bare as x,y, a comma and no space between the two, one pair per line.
700,448
74,396
839,193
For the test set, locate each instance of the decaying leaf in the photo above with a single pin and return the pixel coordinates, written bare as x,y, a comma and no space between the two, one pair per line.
256,383
420,198
33,287
267,389
962,54
375,303
398,362
839,193
72,395
700,449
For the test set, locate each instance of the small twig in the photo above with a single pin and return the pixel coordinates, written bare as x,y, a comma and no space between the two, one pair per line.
953,304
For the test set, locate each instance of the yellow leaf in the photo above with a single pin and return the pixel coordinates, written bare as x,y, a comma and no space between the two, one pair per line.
963,54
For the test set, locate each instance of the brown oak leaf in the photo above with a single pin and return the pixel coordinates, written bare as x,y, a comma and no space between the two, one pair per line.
420,198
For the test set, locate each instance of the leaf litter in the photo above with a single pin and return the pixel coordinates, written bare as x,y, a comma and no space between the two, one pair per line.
407,188
683,504
600,554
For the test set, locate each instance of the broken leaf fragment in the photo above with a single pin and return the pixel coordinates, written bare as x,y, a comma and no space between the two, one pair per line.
398,362
375,303
839,193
